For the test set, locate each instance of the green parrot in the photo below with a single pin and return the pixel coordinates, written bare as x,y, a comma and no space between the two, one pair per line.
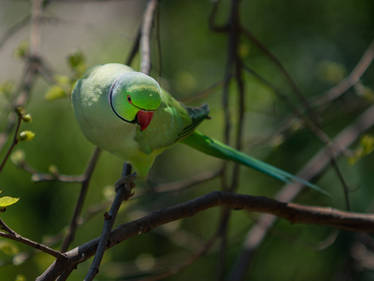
128,114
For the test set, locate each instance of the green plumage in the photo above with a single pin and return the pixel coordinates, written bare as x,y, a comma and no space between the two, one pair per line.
217,149
128,114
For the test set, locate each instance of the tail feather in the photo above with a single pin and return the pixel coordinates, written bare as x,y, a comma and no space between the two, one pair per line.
215,148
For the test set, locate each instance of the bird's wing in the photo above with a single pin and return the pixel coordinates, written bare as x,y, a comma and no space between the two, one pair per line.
171,122
197,115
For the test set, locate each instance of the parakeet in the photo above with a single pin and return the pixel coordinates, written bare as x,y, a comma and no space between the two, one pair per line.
128,114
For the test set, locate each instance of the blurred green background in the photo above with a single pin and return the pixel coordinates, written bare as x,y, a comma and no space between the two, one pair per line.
319,43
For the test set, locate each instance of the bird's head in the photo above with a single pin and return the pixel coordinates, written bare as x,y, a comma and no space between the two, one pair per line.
134,97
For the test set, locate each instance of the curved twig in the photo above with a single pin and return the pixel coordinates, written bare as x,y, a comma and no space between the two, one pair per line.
295,213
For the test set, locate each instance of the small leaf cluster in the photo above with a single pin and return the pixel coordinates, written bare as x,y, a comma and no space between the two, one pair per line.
364,92
64,84
25,135
365,147
23,50
6,201
6,88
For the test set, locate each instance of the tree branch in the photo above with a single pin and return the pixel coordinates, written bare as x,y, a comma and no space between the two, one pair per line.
312,121
335,92
295,213
123,192
17,237
352,79
135,48
45,177
187,183
145,45
175,270
313,169
14,142
78,208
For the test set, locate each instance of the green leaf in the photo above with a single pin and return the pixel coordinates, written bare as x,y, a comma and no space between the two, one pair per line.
17,157
53,169
26,135
76,59
77,63
55,92
365,147
20,258
6,88
365,92
20,277
22,49
332,72
6,201
8,248
26,118
62,80
108,192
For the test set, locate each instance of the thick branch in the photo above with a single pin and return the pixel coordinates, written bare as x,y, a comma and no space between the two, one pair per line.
295,213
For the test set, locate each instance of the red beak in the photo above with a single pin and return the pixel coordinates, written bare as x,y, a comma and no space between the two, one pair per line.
144,118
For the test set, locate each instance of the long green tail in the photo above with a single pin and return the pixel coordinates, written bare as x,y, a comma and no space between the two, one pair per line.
215,148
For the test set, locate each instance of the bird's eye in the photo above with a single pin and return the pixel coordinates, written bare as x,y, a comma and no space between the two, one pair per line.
129,98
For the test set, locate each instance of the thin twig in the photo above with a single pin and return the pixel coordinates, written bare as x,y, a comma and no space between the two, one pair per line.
14,142
145,45
312,121
175,270
36,10
295,213
203,93
74,222
14,29
18,26
234,64
5,227
123,192
283,70
158,40
212,19
17,237
352,79
313,169
187,183
47,72
40,177
135,47
33,244
20,97
299,114
82,196
44,177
